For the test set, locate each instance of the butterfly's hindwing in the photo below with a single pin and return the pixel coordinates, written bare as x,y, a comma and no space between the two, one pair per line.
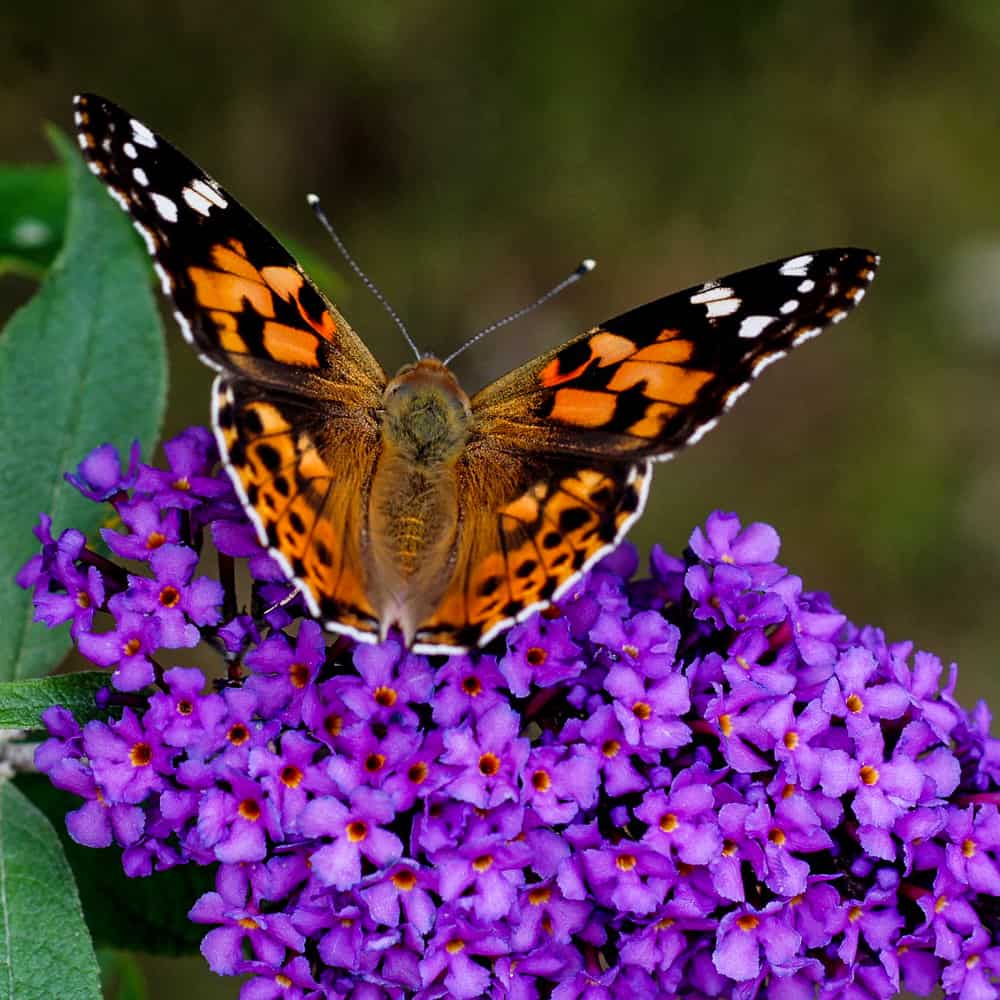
554,520
648,382
309,511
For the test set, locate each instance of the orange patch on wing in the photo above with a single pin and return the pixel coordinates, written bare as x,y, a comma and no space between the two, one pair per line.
226,259
325,327
609,348
651,424
524,508
272,422
583,408
550,375
670,352
290,345
668,383
286,281
228,332
222,290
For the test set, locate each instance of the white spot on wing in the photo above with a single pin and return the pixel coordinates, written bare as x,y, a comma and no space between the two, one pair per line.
142,135
735,393
789,307
165,283
166,208
83,140
717,300
119,197
147,237
140,175
130,151
858,295
806,286
206,190
768,359
700,432
711,294
797,267
808,334
753,326
78,118
184,325
195,201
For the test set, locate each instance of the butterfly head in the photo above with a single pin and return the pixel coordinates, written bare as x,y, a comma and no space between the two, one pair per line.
425,412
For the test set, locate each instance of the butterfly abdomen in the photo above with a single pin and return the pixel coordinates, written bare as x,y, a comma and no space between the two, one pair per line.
413,506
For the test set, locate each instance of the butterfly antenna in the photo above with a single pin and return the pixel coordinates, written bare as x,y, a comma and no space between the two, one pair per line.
585,267
366,281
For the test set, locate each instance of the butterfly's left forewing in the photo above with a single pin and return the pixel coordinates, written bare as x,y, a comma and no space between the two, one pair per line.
559,461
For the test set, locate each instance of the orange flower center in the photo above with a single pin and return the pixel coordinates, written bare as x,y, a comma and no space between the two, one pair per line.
250,810
357,831
170,596
541,781
489,764
385,696
298,674
854,704
291,776
669,822
472,686
748,922
536,656
540,895
155,539
140,755
238,734
869,775
626,862
417,773
642,711
132,647
404,880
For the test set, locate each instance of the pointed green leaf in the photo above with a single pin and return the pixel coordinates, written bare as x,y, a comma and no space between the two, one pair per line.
46,950
22,702
82,363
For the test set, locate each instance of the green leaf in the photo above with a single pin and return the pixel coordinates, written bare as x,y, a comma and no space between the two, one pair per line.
32,217
82,363
22,702
133,914
121,976
46,948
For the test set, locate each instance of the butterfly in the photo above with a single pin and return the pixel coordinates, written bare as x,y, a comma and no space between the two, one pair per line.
402,502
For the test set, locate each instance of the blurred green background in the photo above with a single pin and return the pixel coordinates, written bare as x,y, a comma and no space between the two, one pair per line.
471,154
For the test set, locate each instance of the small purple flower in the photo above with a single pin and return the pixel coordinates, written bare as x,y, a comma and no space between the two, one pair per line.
128,760
149,527
100,475
745,933
353,831
191,456
241,924
283,672
491,756
128,647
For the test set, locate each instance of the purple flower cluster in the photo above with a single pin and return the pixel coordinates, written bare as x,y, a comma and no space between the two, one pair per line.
704,783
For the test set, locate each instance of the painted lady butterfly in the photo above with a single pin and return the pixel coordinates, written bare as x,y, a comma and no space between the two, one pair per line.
402,502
